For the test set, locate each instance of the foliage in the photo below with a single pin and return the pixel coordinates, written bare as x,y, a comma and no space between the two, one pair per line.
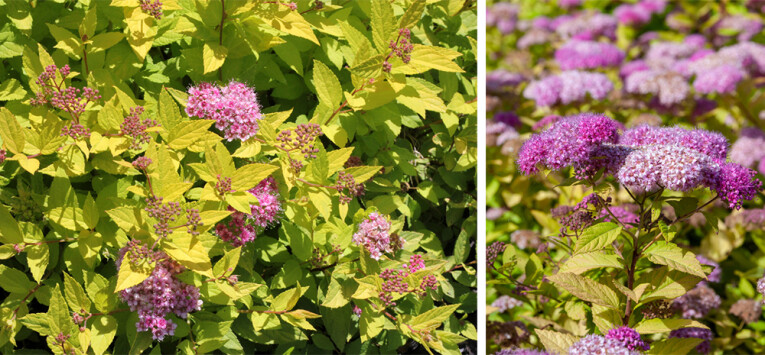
571,265
117,183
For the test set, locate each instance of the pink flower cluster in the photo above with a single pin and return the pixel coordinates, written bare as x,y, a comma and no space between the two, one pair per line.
647,158
401,48
242,228
373,235
586,25
749,149
234,107
160,294
640,13
629,338
579,54
346,182
567,87
152,7
597,344
135,128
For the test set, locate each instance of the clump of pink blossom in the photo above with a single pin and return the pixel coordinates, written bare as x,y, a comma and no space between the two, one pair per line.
373,234
234,108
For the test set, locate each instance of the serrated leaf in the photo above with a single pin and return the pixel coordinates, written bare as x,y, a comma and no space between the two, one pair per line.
131,275
250,175
75,295
226,265
11,89
10,232
327,85
580,263
186,133
383,24
675,258
11,132
213,56
14,281
363,173
38,257
104,41
39,322
169,114
424,58
433,318
597,237
674,346
556,342
586,289
103,329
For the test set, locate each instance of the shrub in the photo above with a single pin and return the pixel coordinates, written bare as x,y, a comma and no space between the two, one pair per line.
236,176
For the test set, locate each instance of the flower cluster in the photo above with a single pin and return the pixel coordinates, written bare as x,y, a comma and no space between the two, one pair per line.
160,294
164,213
579,54
492,253
373,234
526,239
586,26
236,231
194,221
507,334
628,337
234,108
498,81
749,149
346,182
305,135
503,16
567,87
640,13
505,302
597,344
647,158
135,128
266,212
393,282
65,98
152,7
748,310
223,185
521,351
697,302
141,163
401,47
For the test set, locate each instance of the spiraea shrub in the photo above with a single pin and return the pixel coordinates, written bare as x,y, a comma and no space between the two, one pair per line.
625,154
226,176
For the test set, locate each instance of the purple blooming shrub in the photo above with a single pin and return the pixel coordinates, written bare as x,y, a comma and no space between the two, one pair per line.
505,302
640,13
586,26
503,16
521,351
749,148
567,87
234,108
498,81
578,54
698,302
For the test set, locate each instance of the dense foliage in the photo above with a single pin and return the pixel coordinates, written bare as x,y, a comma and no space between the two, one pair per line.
625,165
237,176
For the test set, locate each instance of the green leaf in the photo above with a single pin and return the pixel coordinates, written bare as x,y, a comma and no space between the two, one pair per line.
684,205
328,88
658,325
14,281
60,320
75,295
298,241
371,322
11,132
103,329
433,318
250,175
169,115
412,15
213,56
131,275
668,232
38,257
226,265
424,58
11,90
90,214
597,237
586,289
39,322
580,263
187,133
363,173
286,300
67,41
556,342
298,318
675,258
189,251
104,41
339,293
10,232
88,25
675,346
383,25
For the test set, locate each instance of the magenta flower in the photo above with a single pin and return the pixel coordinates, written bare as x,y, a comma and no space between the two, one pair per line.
373,235
628,337
568,87
577,54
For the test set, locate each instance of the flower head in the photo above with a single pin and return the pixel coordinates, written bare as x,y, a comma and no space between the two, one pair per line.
373,235
597,344
577,54
234,107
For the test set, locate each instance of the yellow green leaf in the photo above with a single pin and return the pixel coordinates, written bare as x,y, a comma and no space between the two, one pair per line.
213,56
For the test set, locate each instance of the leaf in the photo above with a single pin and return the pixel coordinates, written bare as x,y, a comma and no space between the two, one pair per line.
363,173
90,214
67,41
14,281
11,132
412,15
226,265
38,257
556,342
369,68
286,300
675,346
131,275
675,258
213,56
370,323
39,322
339,294
75,295
424,58
169,115
433,318
186,133
10,232
597,237
60,320
658,325
124,217
250,175
104,41
189,251
11,90
586,289
88,25
103,329
298,318
580,263
327,86
383,25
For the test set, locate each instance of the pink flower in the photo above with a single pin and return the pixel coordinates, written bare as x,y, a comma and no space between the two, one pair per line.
234,107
